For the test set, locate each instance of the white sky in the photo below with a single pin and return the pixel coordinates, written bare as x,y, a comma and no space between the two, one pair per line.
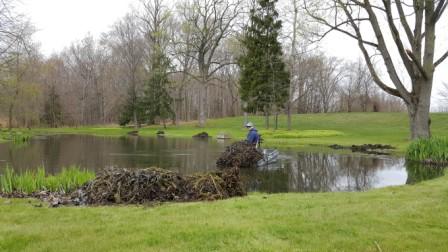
61,22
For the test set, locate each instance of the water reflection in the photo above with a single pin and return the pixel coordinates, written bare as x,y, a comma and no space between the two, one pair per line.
95,153
418,172
321,172
294,172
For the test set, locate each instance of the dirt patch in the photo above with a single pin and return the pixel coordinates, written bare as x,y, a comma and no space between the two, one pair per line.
374,149
240,154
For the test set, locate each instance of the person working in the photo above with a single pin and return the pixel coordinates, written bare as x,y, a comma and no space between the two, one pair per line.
252,136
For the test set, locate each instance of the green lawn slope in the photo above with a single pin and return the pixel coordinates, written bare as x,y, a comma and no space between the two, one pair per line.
405,218
308,130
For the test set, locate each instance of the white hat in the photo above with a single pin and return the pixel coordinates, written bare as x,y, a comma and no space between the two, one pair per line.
249,125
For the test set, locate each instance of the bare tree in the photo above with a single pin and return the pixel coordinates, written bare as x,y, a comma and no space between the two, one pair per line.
298,35
88,61
352,17
127,44
14,30
209,23
328,81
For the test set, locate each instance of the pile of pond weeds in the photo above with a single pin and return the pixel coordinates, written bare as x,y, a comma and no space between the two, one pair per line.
240,154
372,149
202,135
144,186
139,186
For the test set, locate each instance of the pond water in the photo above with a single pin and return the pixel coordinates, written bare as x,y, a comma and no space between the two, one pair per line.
294,172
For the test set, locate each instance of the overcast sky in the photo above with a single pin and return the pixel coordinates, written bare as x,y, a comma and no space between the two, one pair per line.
61,22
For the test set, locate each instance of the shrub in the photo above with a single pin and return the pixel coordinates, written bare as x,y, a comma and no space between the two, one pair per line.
432,150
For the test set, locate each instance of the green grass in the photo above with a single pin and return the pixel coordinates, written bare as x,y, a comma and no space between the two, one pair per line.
15,136
37,180
433,150
405,218
308,130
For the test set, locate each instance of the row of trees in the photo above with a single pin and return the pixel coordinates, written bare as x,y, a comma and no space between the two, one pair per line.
198,59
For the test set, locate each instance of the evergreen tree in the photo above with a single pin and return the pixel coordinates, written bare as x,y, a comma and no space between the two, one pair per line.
132,110
156,100
52,109
264,80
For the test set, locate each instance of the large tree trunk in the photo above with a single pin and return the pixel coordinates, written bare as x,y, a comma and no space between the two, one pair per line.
203,105
418,112
136,124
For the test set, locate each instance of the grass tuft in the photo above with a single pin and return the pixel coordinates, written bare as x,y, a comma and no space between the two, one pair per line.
34,181
17,137
433,150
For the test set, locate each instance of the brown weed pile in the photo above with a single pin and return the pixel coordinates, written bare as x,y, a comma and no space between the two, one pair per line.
240,154
136,186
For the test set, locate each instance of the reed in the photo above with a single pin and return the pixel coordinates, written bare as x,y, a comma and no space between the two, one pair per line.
432,150
37,180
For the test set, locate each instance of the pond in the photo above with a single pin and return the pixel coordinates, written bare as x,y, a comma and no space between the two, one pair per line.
295,171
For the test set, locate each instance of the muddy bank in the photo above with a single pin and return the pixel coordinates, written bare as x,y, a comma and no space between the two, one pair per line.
373,149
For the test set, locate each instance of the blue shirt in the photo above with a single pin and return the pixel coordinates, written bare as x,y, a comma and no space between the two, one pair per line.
252,136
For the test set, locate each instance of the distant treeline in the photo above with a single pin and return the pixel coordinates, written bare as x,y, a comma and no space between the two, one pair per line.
169,63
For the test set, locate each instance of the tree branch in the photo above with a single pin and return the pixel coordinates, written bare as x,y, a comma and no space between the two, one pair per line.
441,59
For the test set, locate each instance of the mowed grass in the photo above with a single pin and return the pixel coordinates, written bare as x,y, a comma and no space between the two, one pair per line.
308,130
405,218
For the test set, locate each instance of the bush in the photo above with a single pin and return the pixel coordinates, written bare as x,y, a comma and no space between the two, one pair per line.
433,150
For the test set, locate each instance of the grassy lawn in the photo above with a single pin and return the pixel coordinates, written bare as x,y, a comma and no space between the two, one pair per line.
308,130
406,218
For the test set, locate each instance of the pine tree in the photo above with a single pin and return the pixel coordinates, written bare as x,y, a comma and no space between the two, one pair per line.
157,101
52,109
264,80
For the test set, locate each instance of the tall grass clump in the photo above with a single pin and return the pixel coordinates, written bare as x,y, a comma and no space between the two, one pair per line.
35,181
16,137
432,150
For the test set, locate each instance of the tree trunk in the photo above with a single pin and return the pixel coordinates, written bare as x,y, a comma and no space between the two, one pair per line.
289,113
418,112
266,117
202,105
276,120
136,124
11,108
419,121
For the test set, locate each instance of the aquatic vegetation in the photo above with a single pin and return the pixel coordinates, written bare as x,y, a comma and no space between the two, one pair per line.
135,186
240,154
17,137
433,150
34,181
